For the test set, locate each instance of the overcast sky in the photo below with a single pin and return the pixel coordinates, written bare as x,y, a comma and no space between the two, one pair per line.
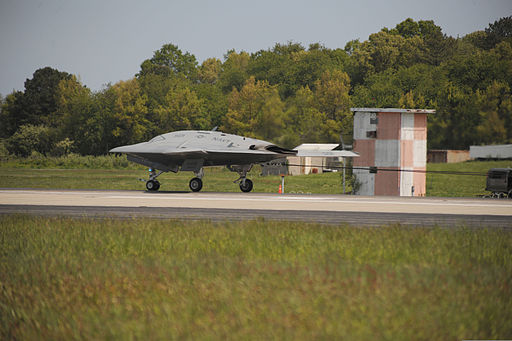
104,41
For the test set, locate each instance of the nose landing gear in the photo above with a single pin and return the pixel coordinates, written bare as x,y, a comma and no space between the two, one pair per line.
152,184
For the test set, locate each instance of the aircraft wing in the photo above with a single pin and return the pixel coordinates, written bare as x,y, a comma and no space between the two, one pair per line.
169,160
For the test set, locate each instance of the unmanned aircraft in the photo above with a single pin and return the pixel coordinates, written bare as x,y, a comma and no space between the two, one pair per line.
191,150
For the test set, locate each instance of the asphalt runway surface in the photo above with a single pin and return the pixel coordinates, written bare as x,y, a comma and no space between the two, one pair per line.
329,209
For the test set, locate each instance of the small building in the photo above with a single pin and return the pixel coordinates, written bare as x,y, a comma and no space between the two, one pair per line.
503,151
274,167
299,165
447,156
394,143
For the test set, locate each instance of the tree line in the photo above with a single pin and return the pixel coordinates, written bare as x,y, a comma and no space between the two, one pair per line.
288,94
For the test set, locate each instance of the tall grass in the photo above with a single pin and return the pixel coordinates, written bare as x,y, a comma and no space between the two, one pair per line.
71,161
146,279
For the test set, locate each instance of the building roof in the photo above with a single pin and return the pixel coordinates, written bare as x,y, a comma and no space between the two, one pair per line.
317,146
394,110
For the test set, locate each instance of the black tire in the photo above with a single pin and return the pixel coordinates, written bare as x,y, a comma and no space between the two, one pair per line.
195,184
152,185
246,186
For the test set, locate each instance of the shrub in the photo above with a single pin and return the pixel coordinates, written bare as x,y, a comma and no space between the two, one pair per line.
30,138
63,147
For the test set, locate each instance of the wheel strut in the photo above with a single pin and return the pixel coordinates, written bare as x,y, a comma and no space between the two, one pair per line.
152,184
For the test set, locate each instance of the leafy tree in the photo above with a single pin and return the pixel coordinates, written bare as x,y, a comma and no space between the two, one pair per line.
500,30
304,121
36,104
411,100
275,66
234,71
170,60
477,69
256,110
214,103
332,98
39,96
29,138
210,70
383,50
477,39
408,28
155,87
495,110
454,124
182,109
129,112
308,67
11,114
80,114
352,46
436,47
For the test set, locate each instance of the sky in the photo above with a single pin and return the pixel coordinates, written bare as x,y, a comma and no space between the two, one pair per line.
105,41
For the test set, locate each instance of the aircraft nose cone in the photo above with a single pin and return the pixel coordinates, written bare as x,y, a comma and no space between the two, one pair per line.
116,150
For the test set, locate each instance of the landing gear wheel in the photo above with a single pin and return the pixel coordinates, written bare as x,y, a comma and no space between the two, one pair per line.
152,185
246,186
195,184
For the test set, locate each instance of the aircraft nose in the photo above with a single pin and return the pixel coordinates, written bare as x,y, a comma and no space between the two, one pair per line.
121,149
116,150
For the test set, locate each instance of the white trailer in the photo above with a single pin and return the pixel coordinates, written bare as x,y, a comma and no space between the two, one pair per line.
503,151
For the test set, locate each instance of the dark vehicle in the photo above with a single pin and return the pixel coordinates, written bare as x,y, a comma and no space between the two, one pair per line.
499,182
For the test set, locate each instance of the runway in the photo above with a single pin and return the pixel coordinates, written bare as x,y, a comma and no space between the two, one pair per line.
333,209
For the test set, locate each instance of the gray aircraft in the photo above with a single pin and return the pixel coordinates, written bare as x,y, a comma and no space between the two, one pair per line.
191,150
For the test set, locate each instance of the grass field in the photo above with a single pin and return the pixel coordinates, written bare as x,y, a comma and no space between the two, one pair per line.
447,185
215,180
116,173
65,279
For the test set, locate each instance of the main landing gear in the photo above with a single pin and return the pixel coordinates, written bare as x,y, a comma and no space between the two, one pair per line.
244,183
196,184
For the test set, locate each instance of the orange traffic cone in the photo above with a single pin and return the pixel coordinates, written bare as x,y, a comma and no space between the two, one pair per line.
280,189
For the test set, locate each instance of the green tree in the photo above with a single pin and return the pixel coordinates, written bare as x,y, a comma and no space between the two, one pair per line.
129,112
182,109
332,98
170,60
436,47
477,69
408,28
256,110
304,122
84,118
210,70
234,71
500,30
454,124
495,110
36,104
11,114
214,102
29,138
